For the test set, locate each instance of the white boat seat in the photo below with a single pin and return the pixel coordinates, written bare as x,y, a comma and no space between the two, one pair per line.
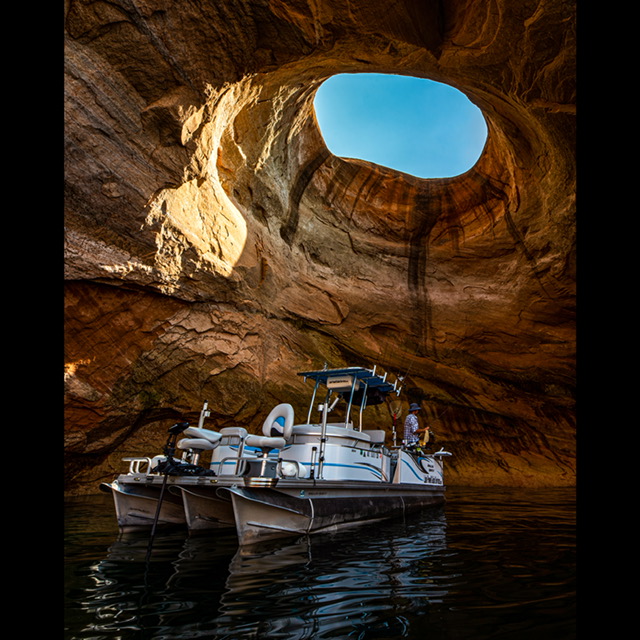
265,442
196,444
377,436
207,434
279,422
234,431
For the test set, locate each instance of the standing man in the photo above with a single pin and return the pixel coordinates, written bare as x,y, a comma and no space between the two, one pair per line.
412,427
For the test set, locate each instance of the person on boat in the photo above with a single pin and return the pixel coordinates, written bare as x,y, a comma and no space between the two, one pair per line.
412,426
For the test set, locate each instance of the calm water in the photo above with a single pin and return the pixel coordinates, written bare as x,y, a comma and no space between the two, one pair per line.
490,564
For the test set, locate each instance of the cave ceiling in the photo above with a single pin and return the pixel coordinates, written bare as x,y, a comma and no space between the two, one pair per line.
214,246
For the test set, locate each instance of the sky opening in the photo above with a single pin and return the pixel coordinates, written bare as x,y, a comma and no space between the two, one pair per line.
417,126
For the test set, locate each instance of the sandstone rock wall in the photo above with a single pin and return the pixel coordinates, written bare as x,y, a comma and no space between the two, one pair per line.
214,246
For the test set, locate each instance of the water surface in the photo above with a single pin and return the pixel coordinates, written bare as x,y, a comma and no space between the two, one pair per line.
489,564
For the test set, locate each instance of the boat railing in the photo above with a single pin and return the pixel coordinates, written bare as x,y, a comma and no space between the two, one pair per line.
241,462
137,465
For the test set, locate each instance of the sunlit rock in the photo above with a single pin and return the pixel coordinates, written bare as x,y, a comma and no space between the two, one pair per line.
214,246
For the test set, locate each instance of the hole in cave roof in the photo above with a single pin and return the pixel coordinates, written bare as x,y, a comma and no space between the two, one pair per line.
421,127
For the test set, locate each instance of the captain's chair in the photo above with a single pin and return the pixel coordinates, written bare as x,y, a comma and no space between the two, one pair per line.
200,440
276,429
279,422
206,434
193,448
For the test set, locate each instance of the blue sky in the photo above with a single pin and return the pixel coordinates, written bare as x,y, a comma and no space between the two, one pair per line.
417,126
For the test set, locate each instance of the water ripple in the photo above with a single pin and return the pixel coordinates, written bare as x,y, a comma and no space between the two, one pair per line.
489,565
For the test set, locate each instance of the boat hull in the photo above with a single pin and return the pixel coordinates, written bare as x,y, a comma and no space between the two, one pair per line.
257,513
267,514
204,509
137,506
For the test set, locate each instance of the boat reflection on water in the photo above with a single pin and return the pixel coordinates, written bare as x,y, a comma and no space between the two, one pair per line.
359,583
493,563
331,587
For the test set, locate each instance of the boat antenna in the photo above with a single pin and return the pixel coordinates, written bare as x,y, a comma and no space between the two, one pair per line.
169,451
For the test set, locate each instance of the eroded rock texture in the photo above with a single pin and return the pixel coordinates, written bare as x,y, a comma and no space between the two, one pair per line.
214,246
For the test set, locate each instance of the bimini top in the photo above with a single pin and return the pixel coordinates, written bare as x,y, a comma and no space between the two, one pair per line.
353,379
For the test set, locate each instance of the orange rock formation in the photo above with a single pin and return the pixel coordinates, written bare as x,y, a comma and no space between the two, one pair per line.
214,246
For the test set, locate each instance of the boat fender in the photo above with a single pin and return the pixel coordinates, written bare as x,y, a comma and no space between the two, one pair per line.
279,422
